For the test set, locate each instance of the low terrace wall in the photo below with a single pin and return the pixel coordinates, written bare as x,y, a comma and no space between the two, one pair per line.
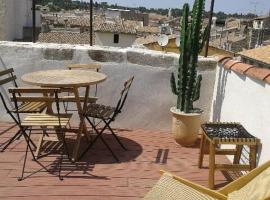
242,94
150,97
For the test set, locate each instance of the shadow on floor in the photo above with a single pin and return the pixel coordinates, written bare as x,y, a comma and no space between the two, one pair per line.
98,154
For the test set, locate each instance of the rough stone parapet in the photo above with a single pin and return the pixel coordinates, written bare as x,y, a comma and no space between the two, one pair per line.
138,56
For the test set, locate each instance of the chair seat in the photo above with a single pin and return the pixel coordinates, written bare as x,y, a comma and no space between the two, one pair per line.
99,111
31,107
71,98
41,119
170,189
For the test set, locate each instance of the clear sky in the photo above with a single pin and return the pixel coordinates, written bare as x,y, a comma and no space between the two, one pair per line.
228,6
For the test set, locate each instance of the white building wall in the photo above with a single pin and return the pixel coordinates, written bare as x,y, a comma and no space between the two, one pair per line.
2,19
112,13
238,98
106,39
15,15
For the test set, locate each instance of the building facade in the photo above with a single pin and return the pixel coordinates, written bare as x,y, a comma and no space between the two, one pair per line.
15,15
114,39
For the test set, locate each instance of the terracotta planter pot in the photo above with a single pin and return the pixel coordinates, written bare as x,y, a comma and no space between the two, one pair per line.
185,127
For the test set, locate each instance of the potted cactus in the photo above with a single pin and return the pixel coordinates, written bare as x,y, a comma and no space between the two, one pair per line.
186,83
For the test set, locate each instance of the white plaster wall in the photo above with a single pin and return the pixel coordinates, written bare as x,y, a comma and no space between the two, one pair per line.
112,13
239,98
9,20
15,15
106,39
2,19
150,97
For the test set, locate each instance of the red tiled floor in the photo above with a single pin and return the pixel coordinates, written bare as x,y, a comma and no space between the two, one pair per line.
97,175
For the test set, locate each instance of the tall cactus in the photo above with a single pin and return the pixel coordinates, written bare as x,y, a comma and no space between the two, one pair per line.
192,39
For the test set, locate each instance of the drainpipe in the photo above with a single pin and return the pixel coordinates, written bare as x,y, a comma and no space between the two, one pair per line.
33,21
91,22
209,24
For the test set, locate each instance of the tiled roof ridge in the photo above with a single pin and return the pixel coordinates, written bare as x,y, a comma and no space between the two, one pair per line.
252,71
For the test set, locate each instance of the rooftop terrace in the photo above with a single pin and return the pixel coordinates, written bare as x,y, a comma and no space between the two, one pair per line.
231,91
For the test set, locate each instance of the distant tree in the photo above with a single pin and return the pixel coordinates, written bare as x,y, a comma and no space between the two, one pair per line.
57,5
176,12
104,5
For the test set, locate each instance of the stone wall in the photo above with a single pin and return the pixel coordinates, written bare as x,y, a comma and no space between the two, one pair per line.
2,19
239,45
150,97
258,35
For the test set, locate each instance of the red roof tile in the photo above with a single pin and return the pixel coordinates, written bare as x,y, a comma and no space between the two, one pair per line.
230,63
222,58
258,73
241,67
262,74
267,79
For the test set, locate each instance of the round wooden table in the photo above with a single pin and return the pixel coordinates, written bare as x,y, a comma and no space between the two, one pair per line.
68,79
64,78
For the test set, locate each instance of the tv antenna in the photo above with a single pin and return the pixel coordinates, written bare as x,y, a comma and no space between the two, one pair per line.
163,40
255,3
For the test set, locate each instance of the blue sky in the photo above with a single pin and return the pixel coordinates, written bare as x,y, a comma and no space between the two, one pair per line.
228,6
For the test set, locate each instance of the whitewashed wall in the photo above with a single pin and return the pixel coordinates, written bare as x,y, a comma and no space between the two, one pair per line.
150,97
2,19
106,39
239,98
14,15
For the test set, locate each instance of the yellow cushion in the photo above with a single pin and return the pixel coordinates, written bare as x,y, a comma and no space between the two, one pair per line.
257,189
167,188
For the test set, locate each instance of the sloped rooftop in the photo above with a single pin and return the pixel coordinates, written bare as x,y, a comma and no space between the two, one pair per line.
261,54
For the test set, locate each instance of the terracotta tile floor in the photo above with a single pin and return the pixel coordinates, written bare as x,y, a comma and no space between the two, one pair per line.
97,175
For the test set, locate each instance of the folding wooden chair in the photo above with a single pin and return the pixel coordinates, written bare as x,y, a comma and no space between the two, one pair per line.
71,98
7,78
40,121
107,114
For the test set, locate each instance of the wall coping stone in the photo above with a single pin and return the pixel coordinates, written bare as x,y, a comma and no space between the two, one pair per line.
252,71
112,54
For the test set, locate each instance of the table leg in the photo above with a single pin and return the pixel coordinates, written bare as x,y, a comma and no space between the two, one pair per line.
252,156
202,149
82,126
238,154
40,142
211,178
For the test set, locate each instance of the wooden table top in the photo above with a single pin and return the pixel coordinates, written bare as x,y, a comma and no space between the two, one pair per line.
63,78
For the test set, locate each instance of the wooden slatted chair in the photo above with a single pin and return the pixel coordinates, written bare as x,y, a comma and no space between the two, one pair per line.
106,114
7,79
40,121
252,186
71,98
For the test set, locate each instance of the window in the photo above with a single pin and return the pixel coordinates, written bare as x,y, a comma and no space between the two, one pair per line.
116,38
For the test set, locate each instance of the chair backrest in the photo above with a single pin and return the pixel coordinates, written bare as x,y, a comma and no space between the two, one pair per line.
92,66
123,96
7,76
46,95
